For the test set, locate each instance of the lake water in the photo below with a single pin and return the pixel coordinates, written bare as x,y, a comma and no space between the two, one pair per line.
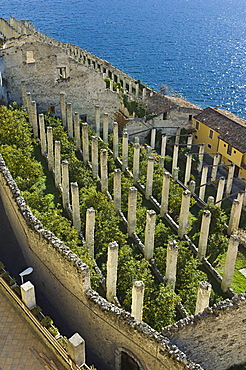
196,47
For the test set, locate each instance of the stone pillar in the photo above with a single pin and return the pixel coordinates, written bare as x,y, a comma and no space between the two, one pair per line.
85,143
220,191
105,128
184,213
177,137
104,170
188,169
124,151
203,183
203,295
42,135
23,93
117,190
204,233
57,163
210,200
175,173
137,300
65,185
137,90
216,162
115,140
175,158
149,241
94,155
50,148
112,264
244,199
34,119
149,179
230,176
63,109
189,142
75,205
136,156
171,263
28,294
29,105
165,193
76,349
163,150
90,229
69,120
192,187
200,157
77,131
152,139
230,260
97,120
235,215
132,206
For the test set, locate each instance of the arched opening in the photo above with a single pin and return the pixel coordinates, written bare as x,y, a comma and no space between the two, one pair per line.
128,363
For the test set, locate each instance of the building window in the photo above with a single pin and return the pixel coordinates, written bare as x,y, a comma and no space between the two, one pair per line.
229,149
224,145
196,137
30,56
209,146
234,151
62,72
190,117
211,134
197,125
165,115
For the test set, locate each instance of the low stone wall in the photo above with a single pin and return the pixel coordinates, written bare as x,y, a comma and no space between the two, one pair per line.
7,30
60,274
215,338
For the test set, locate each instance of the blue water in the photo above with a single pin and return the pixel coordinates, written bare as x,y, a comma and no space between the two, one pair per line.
196,47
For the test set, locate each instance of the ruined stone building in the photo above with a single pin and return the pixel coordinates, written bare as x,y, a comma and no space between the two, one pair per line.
212,339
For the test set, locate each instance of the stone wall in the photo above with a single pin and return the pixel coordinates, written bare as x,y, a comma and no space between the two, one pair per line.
60,274
216,338
7,30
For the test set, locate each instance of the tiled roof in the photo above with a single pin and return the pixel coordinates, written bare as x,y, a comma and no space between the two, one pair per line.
232,129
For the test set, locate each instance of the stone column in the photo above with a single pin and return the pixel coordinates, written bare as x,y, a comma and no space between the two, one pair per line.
175,158
97,120
216,162
184,213
132,206
76,349
230,176
65,185
175,173
163,150
220,191
188,169
50,148
34,119
75,205
104,170
149,179
230,260
124,151
235,215
69,120
210,200
149,241
189,142
28,294
57,163
94,155
136,156
165,193
117,190
137,300
29,106
192,187
77,131
152,139
23,93
63,109
112,264
137,90
85,143
171,263
90,229
115,140
105,128
203,295
204,232
200,157
244,199
42,135
203,183
177,137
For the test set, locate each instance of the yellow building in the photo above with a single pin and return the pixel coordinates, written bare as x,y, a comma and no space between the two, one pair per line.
224,133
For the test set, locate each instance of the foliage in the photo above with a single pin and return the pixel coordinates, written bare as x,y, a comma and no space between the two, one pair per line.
134,106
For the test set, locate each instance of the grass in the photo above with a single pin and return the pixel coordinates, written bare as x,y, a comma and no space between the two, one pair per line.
239,280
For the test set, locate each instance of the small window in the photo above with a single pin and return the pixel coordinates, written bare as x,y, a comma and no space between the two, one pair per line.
229,149
164,115
211,134
190,117
196,137
224,145
62,72
209,146
234,151
30,56
197,125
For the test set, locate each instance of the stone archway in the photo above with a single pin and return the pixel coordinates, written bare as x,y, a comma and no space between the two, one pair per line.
126,360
